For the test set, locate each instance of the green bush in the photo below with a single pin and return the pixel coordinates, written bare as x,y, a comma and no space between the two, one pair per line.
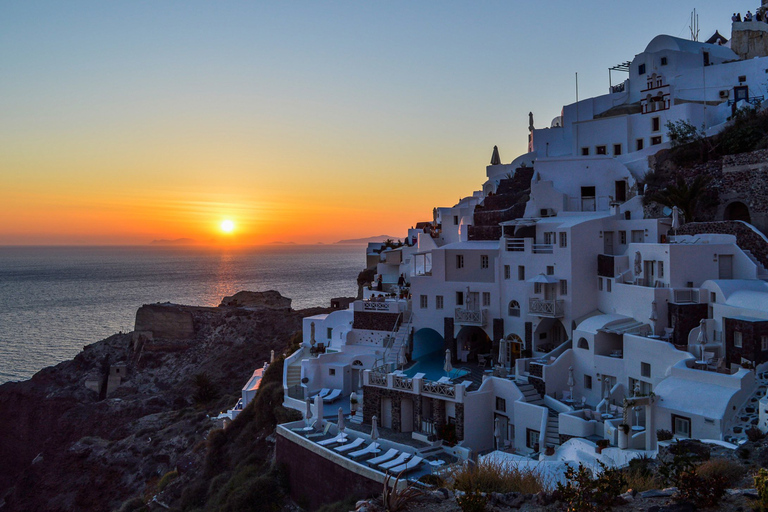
761,484
664,435
473,501
585,492
703,490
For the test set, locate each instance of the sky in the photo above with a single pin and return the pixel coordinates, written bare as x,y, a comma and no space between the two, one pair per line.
124,122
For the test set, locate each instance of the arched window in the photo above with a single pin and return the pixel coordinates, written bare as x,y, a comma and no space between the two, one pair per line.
357,363
583,344
514,308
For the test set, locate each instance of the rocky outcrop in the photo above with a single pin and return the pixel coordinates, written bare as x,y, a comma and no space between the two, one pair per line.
64,448
268,299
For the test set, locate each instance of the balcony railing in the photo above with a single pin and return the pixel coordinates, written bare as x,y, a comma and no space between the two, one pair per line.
404,383
471,316
378,379
685,295
543,248
515,244
438,388
547,308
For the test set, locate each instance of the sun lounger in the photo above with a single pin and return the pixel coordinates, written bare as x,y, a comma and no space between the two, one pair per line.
333,440
444,380
381,458
371,448
408,466
323,392
396,461
324,432
350,446
332,396
419,375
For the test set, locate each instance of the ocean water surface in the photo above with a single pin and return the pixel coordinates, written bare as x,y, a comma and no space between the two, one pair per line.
54,300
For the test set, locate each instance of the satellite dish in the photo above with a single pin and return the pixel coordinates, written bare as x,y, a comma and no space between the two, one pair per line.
666,211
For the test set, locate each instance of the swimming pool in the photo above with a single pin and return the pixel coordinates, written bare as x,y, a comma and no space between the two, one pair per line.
432,366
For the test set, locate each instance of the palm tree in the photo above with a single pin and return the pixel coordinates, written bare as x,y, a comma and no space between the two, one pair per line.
683,195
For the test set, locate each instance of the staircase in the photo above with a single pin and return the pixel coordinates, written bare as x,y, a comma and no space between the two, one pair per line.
399,342
531,396
762,272
293,381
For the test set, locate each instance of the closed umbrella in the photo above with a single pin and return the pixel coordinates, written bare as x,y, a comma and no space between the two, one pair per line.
503,348
571,380
319,411
312,334
360,381
308,412
606,394
447,367
497,432
271,356
675,219
654,317
638,263
702,338
340,423
374,429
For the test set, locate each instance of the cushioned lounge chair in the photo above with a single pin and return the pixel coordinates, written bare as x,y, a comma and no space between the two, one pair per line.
396,461
370,449
392,453
350,446
341,438
407,466
332,396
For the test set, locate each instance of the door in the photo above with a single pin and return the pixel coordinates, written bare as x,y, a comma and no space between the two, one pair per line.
406,415
473,301
608,242
725,266
649,272
502,432
386,412
621,191
549,291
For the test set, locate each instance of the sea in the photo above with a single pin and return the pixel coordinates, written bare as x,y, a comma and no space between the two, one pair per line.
55,300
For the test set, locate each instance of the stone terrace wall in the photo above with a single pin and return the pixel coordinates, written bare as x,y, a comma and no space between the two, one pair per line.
746,238
369,321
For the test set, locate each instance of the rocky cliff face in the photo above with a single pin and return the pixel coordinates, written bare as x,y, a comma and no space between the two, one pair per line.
67,447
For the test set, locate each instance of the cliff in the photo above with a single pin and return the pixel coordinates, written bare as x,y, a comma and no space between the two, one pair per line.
93,432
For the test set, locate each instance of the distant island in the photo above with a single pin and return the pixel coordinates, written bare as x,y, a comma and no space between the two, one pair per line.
177,241
283,243
379,238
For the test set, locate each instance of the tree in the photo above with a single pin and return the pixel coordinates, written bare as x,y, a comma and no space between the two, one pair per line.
683,195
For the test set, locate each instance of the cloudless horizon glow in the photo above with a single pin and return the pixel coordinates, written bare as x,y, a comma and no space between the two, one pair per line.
126,122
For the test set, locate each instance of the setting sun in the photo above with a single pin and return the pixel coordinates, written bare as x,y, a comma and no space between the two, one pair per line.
227,226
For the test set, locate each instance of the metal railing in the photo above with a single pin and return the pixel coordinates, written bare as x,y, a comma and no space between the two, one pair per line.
375,306
439,388
471,316
548,308
515,244
400,382
543,248
377,379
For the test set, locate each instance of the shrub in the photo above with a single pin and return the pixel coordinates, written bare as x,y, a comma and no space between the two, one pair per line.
585,492
682,472
433,480
167,479
492,476
754,434
395,499
472,501
640,474
761,484
731,471
205,389
664,435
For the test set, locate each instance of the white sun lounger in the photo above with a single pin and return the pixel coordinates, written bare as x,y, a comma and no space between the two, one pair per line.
333,440
324,432
381,458
371,448
332,396
396,461
350,446
323,392
408,466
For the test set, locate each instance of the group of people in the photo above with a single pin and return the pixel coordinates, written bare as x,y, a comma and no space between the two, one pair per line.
758,16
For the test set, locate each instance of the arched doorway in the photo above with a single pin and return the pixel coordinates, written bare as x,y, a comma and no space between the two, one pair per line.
737,211
472,341
510,349
426,341
549,334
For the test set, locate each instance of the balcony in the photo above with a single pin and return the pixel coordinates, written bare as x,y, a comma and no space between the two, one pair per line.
477,317
527,245
546,308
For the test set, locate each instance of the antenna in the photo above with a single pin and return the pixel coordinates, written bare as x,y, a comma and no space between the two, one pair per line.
694,26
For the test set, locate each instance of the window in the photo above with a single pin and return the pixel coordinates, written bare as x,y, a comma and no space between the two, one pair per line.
536,287
623,237
486,299
641,69
563,287
459,298
507,272
583,343
514,308
483,261
616,149
655,141
737,341
608,285
438,302
563,239
742,78
549,237
459,261
424,301
501,404
532,438
584,151
681,426
763,343
661,269
600,284
521,273
663,61
550,270
329,332
600,150
587,382
645,369
706,58
455,220
639,144
638,236
655,124
331,371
